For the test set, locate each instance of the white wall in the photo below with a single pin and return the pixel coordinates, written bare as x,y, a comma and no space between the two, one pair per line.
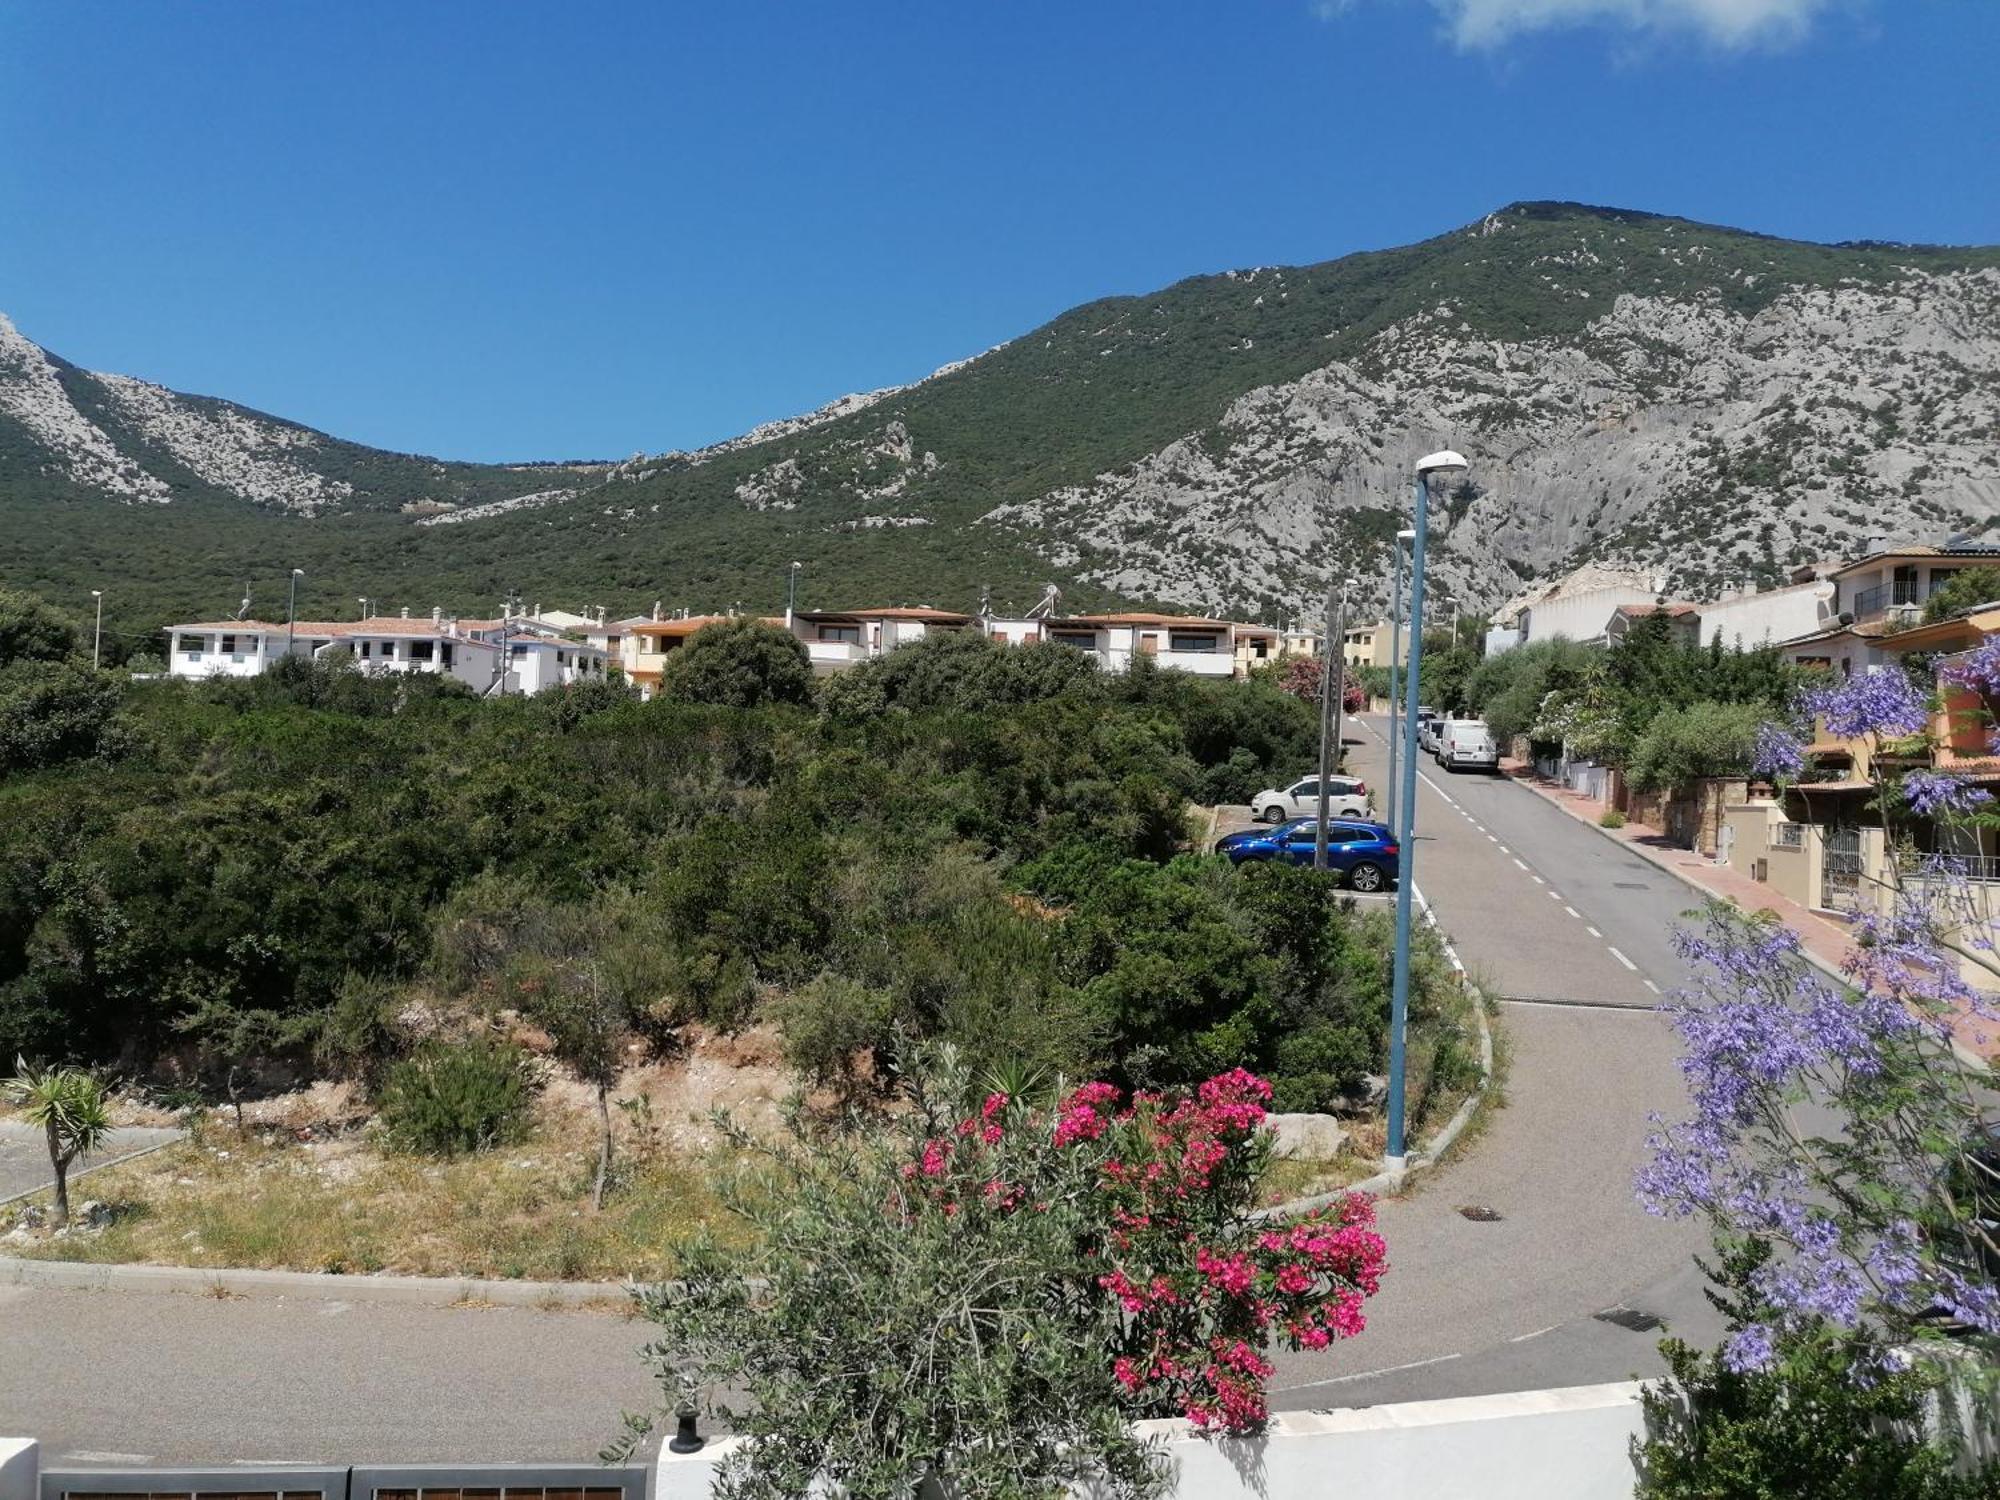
1767,618
1582,616
20,1469
1572,1444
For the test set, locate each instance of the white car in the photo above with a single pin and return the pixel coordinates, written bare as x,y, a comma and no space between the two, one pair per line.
1347,798
1467,744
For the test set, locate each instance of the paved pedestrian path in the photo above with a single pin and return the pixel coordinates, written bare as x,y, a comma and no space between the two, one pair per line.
24,1155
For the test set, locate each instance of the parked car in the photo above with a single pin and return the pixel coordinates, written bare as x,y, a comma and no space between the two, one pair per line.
1467,744
1365,853
1348,798
1427,730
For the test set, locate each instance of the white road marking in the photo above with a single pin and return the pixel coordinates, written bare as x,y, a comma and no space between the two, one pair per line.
1522,1338
1592,930
1415,1364
1517,864
1491,840
93,1456
1622,958
1650,985
1536,878
1505,850
1554,894
1574,912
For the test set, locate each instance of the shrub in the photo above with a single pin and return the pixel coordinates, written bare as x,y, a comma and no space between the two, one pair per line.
452,1098
739,664
982,1291
1611,817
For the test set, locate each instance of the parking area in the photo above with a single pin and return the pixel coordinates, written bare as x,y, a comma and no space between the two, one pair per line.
24,1154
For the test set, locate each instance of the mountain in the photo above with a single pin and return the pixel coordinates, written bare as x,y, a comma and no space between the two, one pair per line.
1632,389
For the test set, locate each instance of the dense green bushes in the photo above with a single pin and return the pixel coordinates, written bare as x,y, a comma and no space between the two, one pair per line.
960,840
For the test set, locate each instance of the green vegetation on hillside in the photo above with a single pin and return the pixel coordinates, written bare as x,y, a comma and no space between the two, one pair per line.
1091,391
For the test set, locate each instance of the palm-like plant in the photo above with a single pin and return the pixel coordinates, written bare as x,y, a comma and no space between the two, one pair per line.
70,1107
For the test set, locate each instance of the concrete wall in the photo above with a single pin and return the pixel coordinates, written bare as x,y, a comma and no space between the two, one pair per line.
1753,620
1754,829
20,1469
1572,1444
1582,616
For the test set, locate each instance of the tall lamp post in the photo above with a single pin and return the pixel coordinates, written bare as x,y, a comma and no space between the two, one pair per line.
1332,692
1395,670
792,592
292,607
97,635
1445,462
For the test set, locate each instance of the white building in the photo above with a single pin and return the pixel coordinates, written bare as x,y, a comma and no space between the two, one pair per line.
469,650
1188,643
837,638
1752,619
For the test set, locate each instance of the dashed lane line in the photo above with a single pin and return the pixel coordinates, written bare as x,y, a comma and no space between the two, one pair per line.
1517,863
1592,930
1574,912
1622,958
1415,1364
1650,985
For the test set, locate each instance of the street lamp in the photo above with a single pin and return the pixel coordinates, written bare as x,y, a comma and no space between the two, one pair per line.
292,608
792,592
1332,696
1395,659
97,636
1445,462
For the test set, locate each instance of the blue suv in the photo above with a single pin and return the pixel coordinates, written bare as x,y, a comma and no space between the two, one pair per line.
1366,853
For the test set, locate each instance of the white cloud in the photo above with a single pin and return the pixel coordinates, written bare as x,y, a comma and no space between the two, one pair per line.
1725,23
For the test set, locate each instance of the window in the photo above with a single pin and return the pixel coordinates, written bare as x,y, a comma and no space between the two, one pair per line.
363,649
1904,588
1181,641
229,645
447,654
1788,836
1306,789
193,645
847,635
562,658
518,650
386,650
1083,640
422,650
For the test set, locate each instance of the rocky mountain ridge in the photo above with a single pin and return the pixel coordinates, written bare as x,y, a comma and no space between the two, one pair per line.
1705,404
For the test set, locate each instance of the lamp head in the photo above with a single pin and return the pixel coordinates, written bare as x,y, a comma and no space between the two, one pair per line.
1444,461
97,593
298,572
1406,536
796,566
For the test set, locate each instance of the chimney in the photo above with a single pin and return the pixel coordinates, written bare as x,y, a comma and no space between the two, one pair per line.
656,609
406,611
535,613
437,614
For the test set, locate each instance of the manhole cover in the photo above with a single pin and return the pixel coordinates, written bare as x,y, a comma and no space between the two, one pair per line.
1629,1317
1631,885
1479,1214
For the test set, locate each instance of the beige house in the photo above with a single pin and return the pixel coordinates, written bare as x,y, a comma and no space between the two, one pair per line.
1372,645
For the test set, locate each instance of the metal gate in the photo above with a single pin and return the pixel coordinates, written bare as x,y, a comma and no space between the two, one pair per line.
1840,868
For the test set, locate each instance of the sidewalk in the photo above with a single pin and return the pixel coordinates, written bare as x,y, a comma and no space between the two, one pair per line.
1824,939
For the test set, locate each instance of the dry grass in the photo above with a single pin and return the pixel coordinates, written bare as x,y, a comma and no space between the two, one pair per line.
263,1200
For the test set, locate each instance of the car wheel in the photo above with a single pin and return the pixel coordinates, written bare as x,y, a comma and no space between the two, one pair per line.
1366,877
1273,814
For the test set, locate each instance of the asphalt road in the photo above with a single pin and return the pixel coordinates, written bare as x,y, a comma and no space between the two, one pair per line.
1470,1306
1574,935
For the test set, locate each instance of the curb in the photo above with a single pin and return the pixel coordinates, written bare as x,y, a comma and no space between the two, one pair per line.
1967,1058
321,1286
1390,1181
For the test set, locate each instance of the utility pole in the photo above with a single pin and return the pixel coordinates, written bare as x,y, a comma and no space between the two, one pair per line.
292,608
97,636
1330,694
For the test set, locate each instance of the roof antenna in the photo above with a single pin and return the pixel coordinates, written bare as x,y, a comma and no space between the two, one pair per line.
1050,595
243,609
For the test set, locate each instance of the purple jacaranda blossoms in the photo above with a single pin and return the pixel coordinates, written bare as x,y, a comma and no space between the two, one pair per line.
1777,1059
1978,669
1780,753
1930,793
1750,1349
1884,703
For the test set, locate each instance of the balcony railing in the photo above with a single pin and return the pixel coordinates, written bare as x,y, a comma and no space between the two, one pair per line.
1883,597
1982,869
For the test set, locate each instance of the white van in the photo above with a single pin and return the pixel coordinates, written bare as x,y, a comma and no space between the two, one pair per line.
1466,743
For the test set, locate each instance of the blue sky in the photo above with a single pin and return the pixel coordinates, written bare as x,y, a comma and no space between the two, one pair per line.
565,230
